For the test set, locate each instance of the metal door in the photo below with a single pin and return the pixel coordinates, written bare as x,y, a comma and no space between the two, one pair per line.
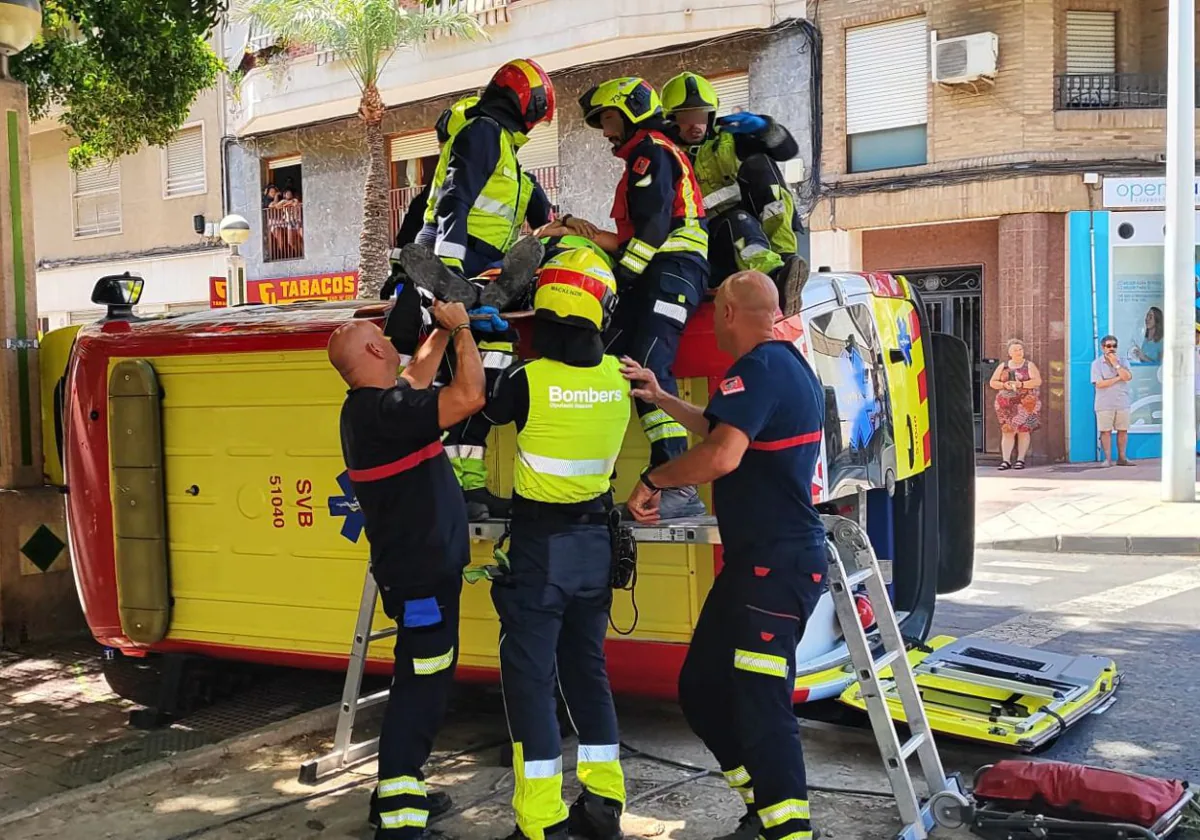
954,304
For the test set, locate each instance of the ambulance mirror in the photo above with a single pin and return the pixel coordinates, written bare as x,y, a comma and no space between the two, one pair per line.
119,292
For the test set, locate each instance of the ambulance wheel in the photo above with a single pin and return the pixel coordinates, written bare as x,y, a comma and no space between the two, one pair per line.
951,809
138,680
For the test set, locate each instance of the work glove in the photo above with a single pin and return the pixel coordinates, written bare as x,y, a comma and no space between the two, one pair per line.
423,612
743,123
494,324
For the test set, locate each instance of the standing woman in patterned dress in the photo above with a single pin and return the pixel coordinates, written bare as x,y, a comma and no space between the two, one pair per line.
1017,383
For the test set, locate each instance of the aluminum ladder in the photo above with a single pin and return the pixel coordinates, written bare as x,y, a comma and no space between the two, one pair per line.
853,563
345,751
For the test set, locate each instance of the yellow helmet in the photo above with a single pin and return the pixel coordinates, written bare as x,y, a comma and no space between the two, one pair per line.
633,97
454,118
689,92
576,288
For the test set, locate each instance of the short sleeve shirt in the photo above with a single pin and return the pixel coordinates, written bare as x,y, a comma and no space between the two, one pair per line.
1114,397
765,505
416,519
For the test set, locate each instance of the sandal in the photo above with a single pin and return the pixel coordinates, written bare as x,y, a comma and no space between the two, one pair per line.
1004,465
1018,465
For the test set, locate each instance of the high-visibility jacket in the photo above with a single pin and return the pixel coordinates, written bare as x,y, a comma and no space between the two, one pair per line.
482,194
659,205
716,164
573,432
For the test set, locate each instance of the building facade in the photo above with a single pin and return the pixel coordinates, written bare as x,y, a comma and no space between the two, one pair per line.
137,214
295,126
1019,196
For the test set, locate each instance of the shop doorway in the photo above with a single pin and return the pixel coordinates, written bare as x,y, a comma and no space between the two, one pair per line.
954,304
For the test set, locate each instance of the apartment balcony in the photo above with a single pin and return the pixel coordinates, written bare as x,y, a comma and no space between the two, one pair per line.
557,33
283,233
1110,91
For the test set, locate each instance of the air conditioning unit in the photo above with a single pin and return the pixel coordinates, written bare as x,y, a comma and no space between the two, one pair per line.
967,59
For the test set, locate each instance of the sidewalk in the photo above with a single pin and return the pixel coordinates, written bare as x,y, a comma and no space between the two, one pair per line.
1082,508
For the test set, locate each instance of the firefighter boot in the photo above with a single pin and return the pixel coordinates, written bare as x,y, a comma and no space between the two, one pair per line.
557,832
497,507
433,275
749,828
439,803
595,817
516,273
790,279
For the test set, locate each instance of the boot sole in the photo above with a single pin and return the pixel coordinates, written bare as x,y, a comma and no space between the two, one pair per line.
516,273
431,274
795,276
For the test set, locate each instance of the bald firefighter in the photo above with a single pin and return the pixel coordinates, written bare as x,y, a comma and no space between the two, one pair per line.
480,199
752,215
661,247
571,408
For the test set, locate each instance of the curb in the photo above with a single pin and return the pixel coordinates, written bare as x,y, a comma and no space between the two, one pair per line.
266,736
1096,544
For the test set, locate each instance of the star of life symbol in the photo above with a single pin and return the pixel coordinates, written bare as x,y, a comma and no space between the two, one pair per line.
905,340
347,505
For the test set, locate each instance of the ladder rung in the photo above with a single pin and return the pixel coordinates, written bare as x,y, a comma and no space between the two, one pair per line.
381,634
887,659
858,577
372,699
912,745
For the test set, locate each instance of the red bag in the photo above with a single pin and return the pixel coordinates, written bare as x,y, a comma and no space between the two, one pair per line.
1079,790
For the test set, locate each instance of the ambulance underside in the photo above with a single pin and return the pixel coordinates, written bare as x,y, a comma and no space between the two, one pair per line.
209,512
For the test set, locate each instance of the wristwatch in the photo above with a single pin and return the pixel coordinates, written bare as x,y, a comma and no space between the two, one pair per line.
645,479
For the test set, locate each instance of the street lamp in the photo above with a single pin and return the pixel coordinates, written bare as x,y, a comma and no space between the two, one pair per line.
235,231
20,426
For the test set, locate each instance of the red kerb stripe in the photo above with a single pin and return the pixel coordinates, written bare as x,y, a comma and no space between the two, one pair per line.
786,443
396,467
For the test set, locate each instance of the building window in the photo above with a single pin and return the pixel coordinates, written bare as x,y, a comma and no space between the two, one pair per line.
733,91
539,157
1091,43
887,94
96,200
414,159
183,163
1091,79
283,209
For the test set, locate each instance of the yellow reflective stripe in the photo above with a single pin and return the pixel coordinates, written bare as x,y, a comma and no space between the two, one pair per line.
567,467
404,818
498,346
496,360
666,430
731,193
747,794
465,453
599,770
633,262
760,663
537,793
773,209
737,777
642,249
496,208
450,251
655,417
788,809
798,835
691,206
546,768
433,664
401,784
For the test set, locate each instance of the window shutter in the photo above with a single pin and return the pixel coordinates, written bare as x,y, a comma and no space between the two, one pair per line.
414,146
733,92
97,200
541,149
1091,43
185,163
284,162
99,178
887,76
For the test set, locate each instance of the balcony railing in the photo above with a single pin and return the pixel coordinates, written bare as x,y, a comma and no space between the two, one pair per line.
400,199
283,233
1076,92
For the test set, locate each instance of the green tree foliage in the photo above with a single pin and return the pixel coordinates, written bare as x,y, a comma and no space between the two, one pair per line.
124,72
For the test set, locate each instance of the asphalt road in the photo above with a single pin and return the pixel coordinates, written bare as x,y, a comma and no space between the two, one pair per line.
1143,612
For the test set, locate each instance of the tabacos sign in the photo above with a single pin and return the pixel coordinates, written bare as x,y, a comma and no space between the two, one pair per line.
342,285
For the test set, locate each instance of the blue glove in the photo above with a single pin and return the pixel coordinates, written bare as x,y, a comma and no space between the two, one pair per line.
495,324
743,123
423,612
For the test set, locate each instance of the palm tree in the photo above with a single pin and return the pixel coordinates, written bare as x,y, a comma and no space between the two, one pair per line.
365,34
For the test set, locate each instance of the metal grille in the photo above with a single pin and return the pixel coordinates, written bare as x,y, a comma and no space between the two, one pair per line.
954,305
1124,91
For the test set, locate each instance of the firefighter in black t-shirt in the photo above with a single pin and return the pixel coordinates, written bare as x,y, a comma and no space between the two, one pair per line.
416,523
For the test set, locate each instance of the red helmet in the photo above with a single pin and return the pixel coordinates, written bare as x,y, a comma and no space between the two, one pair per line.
525,84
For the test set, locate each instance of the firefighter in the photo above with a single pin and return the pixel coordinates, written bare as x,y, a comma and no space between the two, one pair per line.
416,525
661,246
571,409
479,200
762,434
752,215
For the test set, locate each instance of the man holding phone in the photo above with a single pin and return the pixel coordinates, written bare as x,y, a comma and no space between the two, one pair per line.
1111,375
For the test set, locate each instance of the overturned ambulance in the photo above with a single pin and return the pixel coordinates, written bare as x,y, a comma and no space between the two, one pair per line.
209,511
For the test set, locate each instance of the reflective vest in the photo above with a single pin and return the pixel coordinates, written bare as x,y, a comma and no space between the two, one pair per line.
576,424
499,210
716,164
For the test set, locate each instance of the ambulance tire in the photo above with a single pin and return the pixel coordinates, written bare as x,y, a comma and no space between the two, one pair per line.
136,680
954,461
